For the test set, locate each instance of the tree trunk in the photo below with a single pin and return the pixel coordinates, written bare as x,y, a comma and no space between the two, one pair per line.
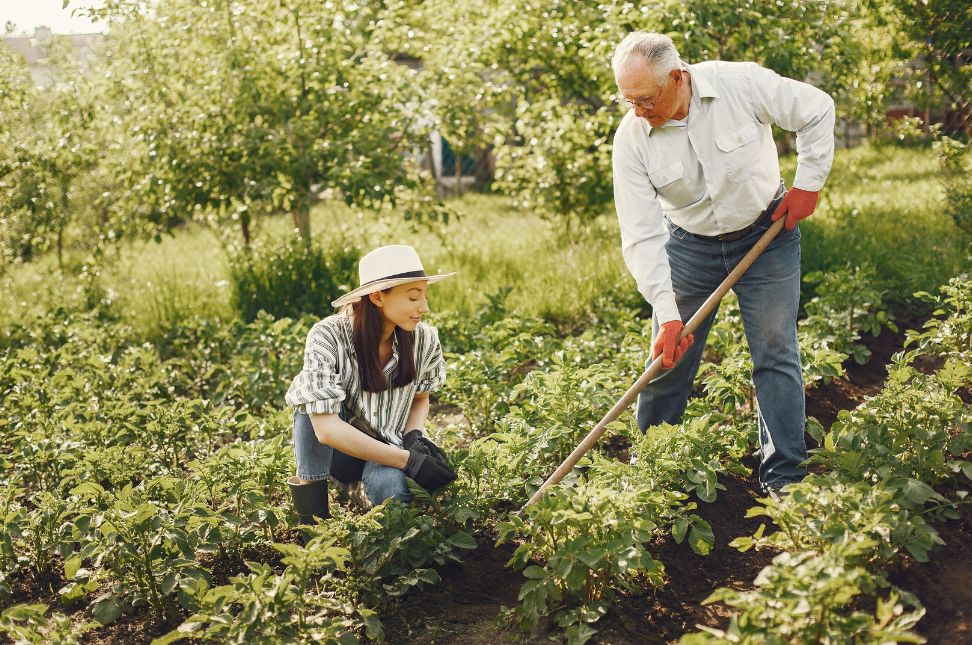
431,166
245,227
302,222
62,216
458,175
931,93
485,168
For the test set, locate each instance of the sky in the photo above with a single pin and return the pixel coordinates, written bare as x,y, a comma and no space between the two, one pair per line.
28,14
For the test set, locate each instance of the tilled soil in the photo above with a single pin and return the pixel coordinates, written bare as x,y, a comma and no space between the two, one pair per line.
943,583
465,607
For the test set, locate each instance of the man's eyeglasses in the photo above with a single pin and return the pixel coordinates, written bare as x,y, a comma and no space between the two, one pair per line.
645,104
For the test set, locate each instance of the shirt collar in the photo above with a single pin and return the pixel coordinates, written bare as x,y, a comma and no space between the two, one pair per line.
702,88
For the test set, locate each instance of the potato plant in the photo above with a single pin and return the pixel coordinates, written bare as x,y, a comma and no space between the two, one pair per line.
808,598
262,606
29,623
579,544
846,305
821,513
914,433
949,333
482,380
141,541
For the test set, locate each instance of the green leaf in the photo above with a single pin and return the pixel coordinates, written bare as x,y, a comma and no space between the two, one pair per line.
576,578
107,611
25,612
592,557
918,492
579,634
463,540
373,627
701,538
171,637
71,566
680,528
533,571
71,591
743,544
88,488
919,551
168,583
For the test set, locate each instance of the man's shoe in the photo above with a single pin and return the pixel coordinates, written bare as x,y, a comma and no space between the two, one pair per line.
310,500
776,492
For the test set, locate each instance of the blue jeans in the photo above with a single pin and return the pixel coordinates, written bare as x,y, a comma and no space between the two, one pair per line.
316,461
769,297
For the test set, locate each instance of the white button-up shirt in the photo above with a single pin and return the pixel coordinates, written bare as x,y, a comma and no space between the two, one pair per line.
716,170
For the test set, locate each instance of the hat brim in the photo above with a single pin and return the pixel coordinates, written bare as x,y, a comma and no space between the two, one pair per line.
381,285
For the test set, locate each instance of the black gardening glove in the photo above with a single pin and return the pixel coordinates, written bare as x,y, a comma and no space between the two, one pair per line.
428,472
415,436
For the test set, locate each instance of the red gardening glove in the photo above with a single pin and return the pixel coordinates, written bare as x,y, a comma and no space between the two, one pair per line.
796,205
667,344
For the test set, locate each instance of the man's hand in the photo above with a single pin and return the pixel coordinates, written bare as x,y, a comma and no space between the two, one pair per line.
667,344
796,205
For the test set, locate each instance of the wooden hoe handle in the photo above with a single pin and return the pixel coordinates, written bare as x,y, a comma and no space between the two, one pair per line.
656,365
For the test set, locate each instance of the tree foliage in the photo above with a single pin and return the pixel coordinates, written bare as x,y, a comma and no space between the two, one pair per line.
938,34
245,106
552,60
46,144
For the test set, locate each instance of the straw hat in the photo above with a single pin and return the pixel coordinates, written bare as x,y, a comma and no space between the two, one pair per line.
386,267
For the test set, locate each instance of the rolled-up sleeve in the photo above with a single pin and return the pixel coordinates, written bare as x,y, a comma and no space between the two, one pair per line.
801,108
433,373
318,388
643,232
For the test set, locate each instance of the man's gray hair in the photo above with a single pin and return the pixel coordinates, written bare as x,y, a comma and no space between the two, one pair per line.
656,50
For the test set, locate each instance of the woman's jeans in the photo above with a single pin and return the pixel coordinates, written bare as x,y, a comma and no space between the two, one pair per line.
316,461
769,296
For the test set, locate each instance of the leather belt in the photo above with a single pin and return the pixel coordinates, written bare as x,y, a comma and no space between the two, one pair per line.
760,220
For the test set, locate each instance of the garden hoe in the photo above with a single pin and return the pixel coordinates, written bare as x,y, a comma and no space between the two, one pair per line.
655,367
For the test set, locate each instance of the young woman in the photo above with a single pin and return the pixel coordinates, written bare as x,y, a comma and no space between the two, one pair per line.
362,397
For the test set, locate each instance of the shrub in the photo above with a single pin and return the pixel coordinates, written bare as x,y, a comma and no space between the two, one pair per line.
290,279
953,156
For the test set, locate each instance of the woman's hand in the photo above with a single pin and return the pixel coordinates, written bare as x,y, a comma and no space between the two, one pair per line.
415,436
428,471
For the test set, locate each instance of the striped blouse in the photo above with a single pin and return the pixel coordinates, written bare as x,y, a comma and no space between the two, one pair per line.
330,381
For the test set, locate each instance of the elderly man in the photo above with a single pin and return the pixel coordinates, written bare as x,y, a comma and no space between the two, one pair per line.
696,183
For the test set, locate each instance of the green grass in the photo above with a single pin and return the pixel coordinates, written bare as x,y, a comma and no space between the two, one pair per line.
493,246
882,205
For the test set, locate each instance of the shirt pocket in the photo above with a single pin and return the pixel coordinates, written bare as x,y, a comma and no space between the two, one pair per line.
739,147
672,187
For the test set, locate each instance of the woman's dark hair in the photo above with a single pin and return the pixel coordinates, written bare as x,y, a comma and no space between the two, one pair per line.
366,327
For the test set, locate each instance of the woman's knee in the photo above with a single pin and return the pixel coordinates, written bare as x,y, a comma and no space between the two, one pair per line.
313,459
385,482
